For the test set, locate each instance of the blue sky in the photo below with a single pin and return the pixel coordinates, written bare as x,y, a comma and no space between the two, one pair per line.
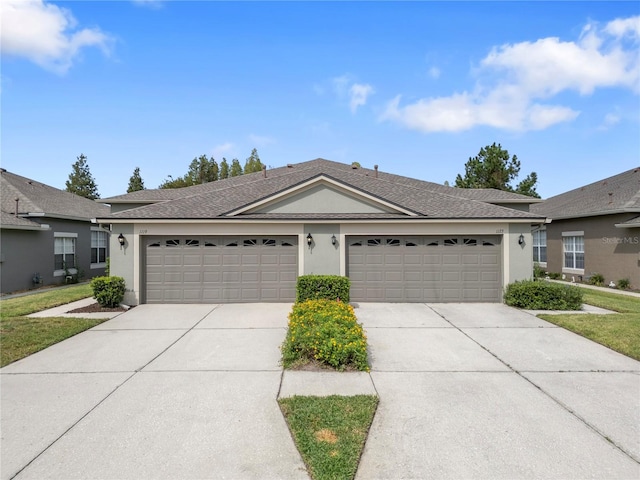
416,88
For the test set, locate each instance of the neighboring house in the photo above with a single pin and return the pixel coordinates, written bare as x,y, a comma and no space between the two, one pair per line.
593,229
247,238
47,234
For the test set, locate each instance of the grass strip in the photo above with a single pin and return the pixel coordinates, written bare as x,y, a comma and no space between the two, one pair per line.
21,336
330,432
619,332
36,302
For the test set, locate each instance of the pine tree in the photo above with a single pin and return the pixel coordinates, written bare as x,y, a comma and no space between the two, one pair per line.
253,163
224,169
81,181
493,168
135,182
235,169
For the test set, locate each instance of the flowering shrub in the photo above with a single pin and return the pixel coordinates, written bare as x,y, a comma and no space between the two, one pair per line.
326,331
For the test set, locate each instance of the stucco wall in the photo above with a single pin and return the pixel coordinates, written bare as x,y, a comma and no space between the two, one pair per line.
322,258
123,260
610,251
25,252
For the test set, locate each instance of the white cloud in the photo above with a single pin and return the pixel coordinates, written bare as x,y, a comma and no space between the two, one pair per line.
221,150
46,34
347,89
515,78
358,94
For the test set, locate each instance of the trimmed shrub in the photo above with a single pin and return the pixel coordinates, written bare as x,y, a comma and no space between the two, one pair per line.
596,279
534,295
108,291
326,331
555,275
624,284
327,287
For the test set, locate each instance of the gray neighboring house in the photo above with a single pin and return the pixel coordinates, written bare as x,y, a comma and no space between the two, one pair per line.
46,234
247,238
593,229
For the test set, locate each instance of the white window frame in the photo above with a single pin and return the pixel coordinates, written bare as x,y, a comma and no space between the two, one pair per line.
99,247
574,250
74,236
538,244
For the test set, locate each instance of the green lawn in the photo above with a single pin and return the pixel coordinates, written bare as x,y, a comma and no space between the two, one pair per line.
620,332
21,336
330,432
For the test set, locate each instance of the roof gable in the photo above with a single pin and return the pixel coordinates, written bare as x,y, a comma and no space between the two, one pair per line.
320,195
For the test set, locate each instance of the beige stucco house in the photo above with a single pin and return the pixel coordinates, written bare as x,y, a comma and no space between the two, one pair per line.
247,238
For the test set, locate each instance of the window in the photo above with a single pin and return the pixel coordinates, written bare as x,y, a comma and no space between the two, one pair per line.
99,242
64,253
540,246
573,252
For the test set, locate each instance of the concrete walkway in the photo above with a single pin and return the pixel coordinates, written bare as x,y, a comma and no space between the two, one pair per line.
189,391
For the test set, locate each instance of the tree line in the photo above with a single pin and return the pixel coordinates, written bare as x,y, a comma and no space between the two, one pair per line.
491,168
202,169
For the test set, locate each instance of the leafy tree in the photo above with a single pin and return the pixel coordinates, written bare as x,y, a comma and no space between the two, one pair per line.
493,168
224,169
135,182
81,181
356,164
253,163
236,169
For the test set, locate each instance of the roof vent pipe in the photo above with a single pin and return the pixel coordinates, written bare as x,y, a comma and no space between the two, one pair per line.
17,201
375,167
264,171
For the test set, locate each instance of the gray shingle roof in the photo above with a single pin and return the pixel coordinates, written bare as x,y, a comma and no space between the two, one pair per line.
620,193
218,199
9,220
36,197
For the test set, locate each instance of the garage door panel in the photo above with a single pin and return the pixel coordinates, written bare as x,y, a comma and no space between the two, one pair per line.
192,277
220,269
425,269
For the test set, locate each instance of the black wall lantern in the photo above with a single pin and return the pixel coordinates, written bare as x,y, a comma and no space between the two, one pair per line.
333,240
309,239
521,240
121,240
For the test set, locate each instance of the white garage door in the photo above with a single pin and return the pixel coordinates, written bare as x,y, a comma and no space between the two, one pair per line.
425,268
213,269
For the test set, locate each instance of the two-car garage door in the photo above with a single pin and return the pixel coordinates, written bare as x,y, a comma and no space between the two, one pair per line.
215,269
212,269
425,268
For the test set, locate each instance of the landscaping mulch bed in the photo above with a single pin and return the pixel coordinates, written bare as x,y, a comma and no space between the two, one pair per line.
96,308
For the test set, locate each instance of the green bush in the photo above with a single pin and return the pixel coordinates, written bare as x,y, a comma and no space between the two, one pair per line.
624,284
325,331
540,295
108,291
327,287
555,275
538,271
596,279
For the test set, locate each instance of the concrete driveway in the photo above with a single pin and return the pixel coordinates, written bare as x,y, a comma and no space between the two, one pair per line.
189,391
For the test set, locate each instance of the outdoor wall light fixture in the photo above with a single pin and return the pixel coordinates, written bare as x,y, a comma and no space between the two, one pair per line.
333,240
309,239
521,240
121,240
